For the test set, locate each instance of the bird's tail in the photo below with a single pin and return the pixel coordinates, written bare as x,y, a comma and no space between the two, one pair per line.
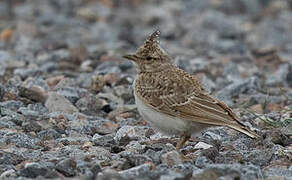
244,130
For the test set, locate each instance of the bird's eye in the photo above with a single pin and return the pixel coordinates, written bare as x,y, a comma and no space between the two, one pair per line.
148,58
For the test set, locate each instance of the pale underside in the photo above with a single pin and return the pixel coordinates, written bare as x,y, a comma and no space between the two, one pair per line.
167,124
174,102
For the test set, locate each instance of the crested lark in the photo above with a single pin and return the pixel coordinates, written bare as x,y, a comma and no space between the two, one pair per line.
174,101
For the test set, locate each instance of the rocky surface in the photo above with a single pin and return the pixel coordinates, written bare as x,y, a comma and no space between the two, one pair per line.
66,103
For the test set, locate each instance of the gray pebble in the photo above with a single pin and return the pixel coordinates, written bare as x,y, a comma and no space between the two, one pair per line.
171,158
67,167
58,103
33,170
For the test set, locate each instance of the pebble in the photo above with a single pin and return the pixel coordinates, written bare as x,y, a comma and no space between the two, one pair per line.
67,167
48,134
171,158
73,94
222,171
90,104
110,174
2,91
125,134
202,145
173,176
136,171
58,103
249,86
33,170
104,141
7,174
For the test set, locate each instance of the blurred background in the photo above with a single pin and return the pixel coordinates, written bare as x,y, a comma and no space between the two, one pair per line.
222,41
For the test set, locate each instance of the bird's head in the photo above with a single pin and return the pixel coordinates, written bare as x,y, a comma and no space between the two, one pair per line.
150,56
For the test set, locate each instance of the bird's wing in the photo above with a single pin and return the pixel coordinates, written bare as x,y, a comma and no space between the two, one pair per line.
179,94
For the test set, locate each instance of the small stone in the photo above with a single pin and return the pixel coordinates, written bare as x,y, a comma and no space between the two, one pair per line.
67,167
65,82
275,172
287,130
34,93
25,73
31,114
100,153
58,103
110,174
31,126
95,169
213,136
2,91
90,104
135,146
111,78
125,134
205,174
22,140
124,92
137,171
104,141
172,175
86,145
259,157
16,118
78,54
125,65
202,161
6,122
154,155
86,66
8,158
228,171
119,112
107,127
53,81
73,94
33,170
73,140
248,86
202,145
11,105
97,83
9,173
171,158
158,136
48,134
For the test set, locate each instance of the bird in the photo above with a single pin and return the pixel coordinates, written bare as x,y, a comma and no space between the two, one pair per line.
173,101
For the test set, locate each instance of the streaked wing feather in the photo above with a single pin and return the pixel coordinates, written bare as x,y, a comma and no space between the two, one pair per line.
209,112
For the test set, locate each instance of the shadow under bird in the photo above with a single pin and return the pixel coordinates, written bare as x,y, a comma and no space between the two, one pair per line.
174,101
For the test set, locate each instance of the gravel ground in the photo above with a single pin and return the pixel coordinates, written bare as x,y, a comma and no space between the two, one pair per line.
67,109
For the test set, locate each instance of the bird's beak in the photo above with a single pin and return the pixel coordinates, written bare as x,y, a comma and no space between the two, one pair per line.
131,57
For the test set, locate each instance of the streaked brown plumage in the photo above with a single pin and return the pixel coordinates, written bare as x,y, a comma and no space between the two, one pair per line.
166,94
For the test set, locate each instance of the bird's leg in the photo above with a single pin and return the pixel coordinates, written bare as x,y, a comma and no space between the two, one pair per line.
183,139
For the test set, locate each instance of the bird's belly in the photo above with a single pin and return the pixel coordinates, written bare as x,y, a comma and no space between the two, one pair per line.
165,123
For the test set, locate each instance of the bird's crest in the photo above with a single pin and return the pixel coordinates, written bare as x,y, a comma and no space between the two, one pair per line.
152,40
151,46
